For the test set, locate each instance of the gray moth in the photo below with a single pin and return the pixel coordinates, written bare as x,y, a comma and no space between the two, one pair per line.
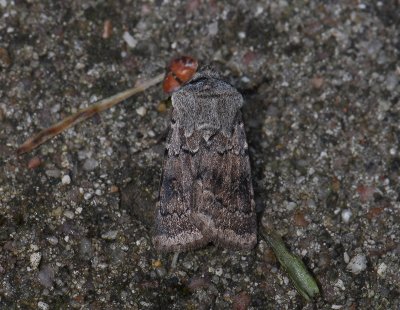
206,193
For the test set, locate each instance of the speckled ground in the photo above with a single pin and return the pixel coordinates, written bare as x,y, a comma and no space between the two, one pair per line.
321,84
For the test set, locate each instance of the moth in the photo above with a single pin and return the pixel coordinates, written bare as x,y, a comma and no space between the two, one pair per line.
206,193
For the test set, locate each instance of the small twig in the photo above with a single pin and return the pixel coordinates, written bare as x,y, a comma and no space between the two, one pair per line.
84,114
174,262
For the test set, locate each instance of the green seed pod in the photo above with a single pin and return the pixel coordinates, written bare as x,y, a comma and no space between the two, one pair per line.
294,266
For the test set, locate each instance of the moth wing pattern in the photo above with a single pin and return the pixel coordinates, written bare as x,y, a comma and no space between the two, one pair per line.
224,208
206,192
174,228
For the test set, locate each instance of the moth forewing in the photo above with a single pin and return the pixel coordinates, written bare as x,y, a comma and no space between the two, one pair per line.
206,193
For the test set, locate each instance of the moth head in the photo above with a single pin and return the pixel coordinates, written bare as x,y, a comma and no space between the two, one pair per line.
206,72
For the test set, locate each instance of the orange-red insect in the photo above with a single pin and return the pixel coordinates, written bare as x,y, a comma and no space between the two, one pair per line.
180,70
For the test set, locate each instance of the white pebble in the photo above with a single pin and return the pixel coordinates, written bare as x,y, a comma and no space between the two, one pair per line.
43,306
346,215
35,259
357,264
87,196
286,280
52,240
339,284
213,29
346,257
245,79
381,270
219,272
55,108
131,41
66,179
69,214
141,111
362,6
110,235
34,247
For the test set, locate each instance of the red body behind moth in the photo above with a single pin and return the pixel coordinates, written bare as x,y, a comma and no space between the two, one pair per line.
180,70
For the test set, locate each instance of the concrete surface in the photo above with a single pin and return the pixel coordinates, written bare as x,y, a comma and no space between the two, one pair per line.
321,84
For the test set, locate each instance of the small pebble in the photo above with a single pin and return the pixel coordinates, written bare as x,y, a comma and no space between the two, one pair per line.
290,205
69,214
35,259
156,263
43,306
317,82
114,189
55,108
219,272
215,279
86,249
346,257
162,107
52,240
57,212
187,264
90,164
53,173
87,196
110,235
346,215
66,179
34,247
213,28
131,41
141,111
34,163
382,270
46,276
357,264
339,284
392,81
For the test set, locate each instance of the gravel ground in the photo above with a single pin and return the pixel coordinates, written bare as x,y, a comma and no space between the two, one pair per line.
321,85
